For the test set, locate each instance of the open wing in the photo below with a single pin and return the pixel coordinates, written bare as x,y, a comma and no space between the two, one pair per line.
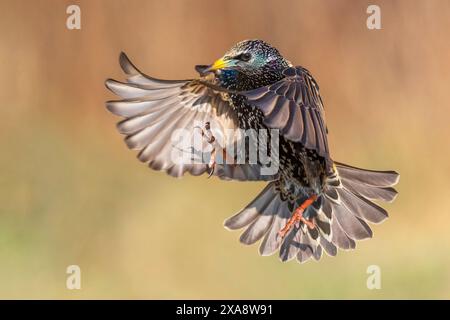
294,106
158,112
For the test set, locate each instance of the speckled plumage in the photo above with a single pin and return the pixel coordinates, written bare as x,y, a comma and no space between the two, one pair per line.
302,171
254,87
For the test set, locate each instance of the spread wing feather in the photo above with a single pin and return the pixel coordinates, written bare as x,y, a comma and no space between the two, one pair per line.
153,111
294,106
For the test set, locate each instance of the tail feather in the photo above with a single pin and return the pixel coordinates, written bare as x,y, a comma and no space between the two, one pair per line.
340,238
361,206
317,254
341,214
291,246
369,177
306,246
323,222
271,243
354,227
258,228
328,246
387,194
252,210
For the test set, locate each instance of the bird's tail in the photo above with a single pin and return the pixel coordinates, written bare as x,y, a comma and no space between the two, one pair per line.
348,201
340,213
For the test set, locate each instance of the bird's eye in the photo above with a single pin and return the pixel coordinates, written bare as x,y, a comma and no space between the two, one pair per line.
244,56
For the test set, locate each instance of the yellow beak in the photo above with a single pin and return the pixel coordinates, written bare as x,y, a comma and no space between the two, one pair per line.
219,64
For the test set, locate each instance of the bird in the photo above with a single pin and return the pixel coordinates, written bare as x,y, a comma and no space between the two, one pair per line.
311,204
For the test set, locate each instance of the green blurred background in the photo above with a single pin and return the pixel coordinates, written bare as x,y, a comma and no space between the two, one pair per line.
71,192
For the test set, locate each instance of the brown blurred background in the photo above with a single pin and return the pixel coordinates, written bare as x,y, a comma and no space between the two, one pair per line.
71,193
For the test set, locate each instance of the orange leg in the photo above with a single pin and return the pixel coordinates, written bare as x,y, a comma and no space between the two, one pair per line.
297,216
212,141
206,132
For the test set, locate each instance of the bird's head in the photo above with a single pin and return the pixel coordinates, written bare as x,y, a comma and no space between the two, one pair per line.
249,63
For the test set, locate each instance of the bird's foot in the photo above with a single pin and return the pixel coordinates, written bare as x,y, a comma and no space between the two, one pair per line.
212,160
212,163
297,217
206,132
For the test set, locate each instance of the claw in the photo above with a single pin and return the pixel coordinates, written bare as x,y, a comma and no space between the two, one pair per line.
206,131
297,217
211,171
212,163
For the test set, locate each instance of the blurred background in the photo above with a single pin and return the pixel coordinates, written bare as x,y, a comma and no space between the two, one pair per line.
72,193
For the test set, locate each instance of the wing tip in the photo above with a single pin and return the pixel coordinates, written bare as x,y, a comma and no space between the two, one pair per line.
126,64
113,86
265,253
231,225
226,225
128,67
110,106
397,177
108,82
394,194
123,56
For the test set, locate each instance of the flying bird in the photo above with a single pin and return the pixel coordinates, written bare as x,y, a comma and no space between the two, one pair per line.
311,203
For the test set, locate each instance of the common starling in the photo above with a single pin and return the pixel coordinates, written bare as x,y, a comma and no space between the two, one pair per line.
311,203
